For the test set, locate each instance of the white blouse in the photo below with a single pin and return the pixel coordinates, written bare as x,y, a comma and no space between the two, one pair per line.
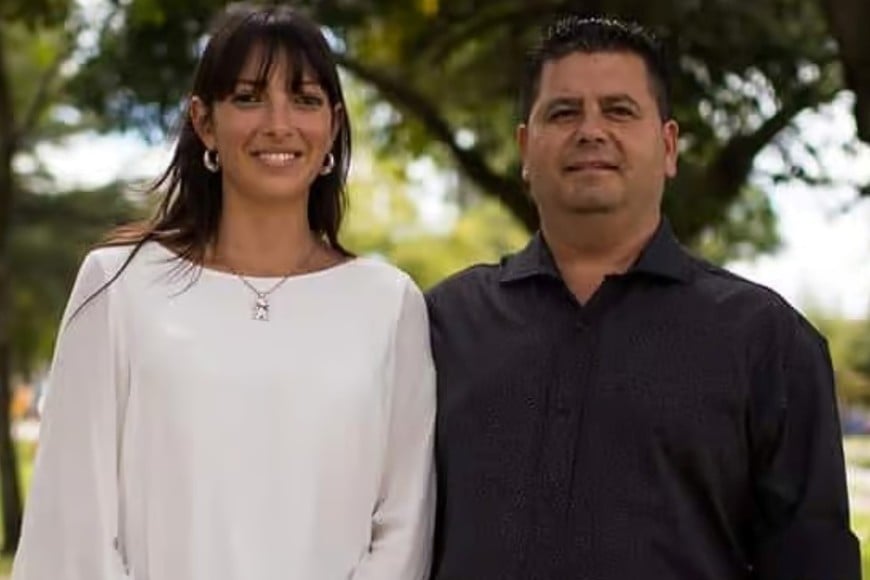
184,440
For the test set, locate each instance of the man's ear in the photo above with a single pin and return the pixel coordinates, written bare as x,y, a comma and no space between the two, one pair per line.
201,119
671,135
522,137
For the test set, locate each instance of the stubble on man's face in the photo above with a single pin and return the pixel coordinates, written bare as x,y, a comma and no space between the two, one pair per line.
595,142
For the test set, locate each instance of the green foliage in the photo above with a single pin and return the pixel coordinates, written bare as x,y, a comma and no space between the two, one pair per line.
50,235
450,71
143,62
482,234
386,218
859,351
442,77
47,233
37,85
749,228
35,12
849,345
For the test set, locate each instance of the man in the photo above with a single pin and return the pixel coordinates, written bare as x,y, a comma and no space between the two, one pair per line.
610,407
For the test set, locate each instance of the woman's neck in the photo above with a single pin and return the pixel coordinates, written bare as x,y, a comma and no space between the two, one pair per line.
266,244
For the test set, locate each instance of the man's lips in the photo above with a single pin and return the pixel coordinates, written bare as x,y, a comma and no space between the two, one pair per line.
579,166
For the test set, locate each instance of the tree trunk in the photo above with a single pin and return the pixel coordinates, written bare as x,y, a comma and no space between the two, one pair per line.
9,485
845,18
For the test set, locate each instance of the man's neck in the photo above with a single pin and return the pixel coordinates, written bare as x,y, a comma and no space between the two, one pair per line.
588,248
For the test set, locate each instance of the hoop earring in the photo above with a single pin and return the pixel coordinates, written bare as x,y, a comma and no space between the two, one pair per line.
328,164
211,160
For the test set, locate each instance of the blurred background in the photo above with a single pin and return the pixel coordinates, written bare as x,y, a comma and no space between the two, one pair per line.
773,97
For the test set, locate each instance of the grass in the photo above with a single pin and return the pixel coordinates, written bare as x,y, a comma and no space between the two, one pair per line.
857,449
861,527
26,452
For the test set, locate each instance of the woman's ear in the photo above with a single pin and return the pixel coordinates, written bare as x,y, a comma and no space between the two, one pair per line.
201,119
337,122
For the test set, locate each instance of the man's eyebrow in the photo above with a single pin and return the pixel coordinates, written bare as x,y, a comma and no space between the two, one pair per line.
620,98
563,101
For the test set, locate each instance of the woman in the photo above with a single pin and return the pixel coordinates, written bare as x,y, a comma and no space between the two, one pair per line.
233,395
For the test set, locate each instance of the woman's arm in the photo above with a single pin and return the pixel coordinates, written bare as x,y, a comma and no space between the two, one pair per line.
71,516
402,523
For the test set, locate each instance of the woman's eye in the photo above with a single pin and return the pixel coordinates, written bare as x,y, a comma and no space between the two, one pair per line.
308,100
246,98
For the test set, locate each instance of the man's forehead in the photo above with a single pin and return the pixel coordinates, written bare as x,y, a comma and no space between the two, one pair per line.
576,65
595,74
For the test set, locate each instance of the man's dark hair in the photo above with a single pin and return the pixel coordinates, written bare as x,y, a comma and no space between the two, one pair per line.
590,35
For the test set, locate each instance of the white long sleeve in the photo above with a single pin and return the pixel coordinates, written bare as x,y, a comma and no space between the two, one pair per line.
404,516
295,448
72,510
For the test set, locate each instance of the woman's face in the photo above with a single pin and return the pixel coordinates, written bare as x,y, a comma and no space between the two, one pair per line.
272,141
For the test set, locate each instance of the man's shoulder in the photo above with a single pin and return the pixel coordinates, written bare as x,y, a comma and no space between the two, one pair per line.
723,284
743,301
471,280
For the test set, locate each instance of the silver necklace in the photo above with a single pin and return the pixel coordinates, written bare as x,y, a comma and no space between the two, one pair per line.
260,310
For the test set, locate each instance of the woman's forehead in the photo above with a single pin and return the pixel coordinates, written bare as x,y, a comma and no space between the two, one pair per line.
265,62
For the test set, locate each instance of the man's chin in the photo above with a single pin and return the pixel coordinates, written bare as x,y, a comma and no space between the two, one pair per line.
591,205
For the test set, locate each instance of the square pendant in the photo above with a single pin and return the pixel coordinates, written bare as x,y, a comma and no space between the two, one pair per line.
261,310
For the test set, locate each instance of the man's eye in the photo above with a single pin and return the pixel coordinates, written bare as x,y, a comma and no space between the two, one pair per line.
559,114
620,111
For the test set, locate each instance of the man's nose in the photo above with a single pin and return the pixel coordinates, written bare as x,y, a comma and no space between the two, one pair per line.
590,128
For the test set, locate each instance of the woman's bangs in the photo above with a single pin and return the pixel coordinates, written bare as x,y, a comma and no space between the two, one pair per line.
272,44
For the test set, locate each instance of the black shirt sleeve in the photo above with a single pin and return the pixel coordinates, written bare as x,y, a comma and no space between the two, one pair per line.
802,516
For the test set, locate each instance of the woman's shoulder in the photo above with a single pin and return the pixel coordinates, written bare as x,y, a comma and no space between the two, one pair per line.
109,261
380,273
108,257
380,282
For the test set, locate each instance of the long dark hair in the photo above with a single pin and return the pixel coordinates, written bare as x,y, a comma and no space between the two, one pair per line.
189,211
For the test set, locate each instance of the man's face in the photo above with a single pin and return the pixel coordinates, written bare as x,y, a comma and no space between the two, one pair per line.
594,142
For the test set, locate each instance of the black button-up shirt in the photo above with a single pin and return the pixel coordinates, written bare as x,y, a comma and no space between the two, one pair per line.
680,425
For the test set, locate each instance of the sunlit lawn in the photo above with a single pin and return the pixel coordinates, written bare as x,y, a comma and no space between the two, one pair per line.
861,527
26,451
858,454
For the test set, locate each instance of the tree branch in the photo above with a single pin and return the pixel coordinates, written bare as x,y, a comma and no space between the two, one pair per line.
703,194
10,497
7,114
470,160
8,144
486,18
734,162
40,99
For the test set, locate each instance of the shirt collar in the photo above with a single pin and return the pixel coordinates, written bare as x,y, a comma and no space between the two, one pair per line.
663,256
532,261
